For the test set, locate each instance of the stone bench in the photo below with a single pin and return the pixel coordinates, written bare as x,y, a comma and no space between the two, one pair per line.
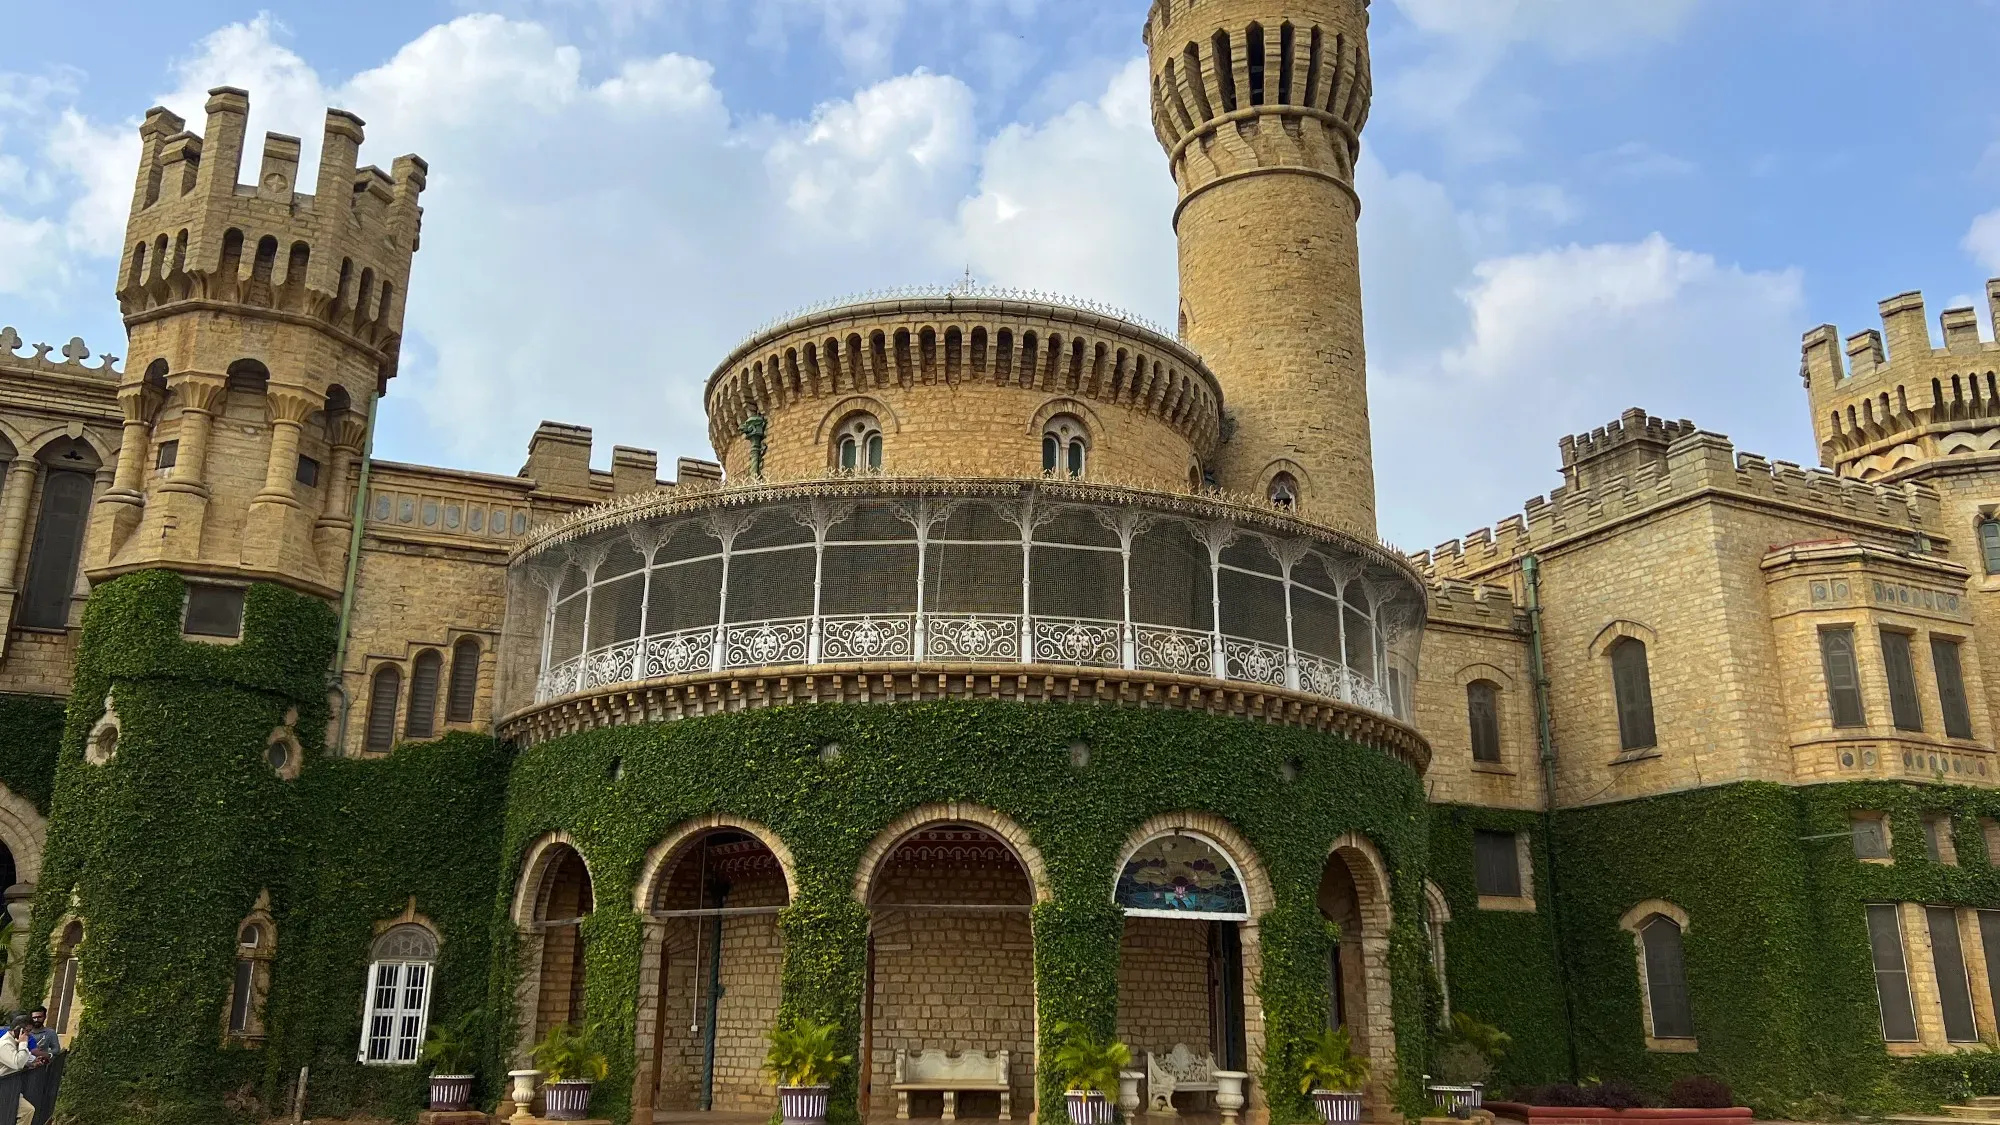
1179,1071
951,1075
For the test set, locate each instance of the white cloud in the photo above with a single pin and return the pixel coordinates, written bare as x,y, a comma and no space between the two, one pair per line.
1565,29
1983,240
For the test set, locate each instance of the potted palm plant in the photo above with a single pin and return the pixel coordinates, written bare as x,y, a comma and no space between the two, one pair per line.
1333,1074
573,1063
450,1053
1088,1067
804,1060
1464,1061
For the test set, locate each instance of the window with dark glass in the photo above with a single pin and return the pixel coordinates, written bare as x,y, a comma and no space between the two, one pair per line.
1951,687
240,996
464,694
213,611
1496,863
1937,838
1633,685
1892,975
387,685
170,452
1871,837
1989,545
62,993
1954,987
1666,978
1904,709
425,672
1482,708
45,597
308,472
1843,680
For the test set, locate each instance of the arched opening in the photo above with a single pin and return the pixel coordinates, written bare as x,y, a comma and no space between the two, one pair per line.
69,467
386,685
65,1002
1354,897
559,900
464,694
1065,446
857,445
1181,973
426,673
951,968
710,975
1283,491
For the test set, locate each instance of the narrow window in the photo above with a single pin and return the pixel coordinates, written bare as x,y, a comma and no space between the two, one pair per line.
1904,710
1843,682
464,681
213,611
170,452
1954,989
399,995
1050,447
1287,44
1666,978
307,473
1482,708
239,1004
1633,686
1225,71
1871,836
425,672
857,445
1284,491
382,708
1253,46
1989,943
1496,864
1077,452
1892,976
63,993
1951,687
1065,446
1937,839
1989,545
58,548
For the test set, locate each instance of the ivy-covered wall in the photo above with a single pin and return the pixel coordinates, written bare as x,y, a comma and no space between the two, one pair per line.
31,728
620,791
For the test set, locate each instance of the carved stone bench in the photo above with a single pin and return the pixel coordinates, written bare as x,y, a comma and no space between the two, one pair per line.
975,1071
1179,1071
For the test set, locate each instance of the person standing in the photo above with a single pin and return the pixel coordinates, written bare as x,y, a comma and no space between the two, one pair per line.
40,1084
16,1063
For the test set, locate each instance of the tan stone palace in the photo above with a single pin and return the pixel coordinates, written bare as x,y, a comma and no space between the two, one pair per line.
966,496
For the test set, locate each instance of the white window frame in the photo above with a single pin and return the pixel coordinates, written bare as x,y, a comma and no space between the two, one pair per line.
404,1043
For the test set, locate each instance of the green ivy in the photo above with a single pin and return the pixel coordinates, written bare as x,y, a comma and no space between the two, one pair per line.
619,791
31,729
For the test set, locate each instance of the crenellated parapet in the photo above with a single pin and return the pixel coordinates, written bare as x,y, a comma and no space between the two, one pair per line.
1697,463
1633,442
1888,401
1478,605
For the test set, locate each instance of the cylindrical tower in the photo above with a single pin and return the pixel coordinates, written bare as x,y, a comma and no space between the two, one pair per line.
1260,105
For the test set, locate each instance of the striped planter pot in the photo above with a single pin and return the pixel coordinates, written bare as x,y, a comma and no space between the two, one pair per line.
451,1092
568,1100
1337,1107
802,1105
1088,1107
1453,1098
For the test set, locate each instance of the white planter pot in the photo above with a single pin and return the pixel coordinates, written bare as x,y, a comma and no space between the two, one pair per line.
1338,1107
568,1100
1229,1093
803,1105
1088,1107
1128,1090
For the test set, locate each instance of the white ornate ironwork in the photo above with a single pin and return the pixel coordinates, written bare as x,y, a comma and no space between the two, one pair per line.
1362,692
1320,677
884,637
613,665
767,642
965,292
1254,661
972,637
560,680
678,654
1092,643
1186,651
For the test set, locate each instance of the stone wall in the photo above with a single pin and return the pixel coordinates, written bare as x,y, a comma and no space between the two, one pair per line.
751,960
1163,996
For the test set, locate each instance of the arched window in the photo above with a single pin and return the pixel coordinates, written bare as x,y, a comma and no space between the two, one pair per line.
1482,709
256,945
464,681
1989,545
1284,491
65,1000
1182,875
382,708
857,445
399,995
1065,446
68,475
425,673
1633,686
1664,970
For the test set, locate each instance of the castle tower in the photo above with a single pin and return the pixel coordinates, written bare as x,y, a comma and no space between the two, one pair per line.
1260,105
263,322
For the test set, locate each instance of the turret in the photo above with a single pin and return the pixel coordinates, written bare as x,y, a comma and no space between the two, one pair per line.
1887,401
1260,105
263,322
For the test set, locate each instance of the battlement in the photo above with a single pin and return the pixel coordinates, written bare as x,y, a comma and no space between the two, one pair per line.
1885,399
71,365
340,255
1623,447
1695,462
559,462
1165,12
1477,604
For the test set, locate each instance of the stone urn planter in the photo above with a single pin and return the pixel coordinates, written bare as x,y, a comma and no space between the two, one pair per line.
1229,1093
803,1105
567,1100
1088,1107
1128,1090
1338,1107
523,1092
1450,1099
451,1093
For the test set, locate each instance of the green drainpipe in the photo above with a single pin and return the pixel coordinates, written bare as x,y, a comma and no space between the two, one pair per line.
360,517
1531,581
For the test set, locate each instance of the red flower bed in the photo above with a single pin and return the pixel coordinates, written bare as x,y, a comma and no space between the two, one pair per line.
1597,1115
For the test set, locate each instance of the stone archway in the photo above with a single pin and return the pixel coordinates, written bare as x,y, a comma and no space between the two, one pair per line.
551,901
1354,896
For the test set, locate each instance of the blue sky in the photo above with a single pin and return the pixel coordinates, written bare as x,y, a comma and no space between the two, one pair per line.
1571,206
